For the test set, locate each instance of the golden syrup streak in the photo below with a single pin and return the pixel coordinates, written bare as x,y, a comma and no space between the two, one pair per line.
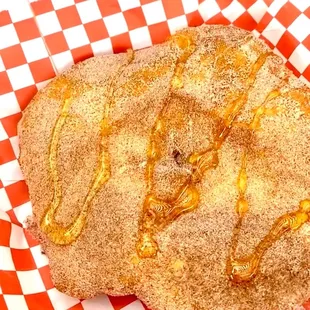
302,96
187,46
208,159
263,111
157,213
65,235
139,82
241,207
245,269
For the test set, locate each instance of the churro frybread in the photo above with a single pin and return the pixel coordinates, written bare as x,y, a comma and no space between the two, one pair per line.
179,173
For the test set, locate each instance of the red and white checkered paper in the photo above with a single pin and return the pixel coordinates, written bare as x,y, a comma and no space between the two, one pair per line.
39,39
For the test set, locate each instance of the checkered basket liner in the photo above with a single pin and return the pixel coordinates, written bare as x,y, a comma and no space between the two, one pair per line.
39,39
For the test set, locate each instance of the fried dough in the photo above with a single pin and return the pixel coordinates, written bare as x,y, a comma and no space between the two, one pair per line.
179,173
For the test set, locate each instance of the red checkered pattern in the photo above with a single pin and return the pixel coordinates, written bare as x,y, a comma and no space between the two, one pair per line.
286,29
39,39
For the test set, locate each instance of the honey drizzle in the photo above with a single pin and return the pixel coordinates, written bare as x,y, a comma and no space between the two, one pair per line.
153,153
301,98
57,233
157,213
242,205
245,269
154,209
262,110
140,81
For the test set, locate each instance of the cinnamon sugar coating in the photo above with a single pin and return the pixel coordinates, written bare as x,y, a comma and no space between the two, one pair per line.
179,173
